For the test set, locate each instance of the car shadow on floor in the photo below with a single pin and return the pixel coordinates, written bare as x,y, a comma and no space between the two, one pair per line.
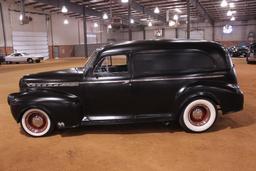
141,128
223,122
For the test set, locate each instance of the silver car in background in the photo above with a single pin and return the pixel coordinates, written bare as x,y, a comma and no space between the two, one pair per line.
23,57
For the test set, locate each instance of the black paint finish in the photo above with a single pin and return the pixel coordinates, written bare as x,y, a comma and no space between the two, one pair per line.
79,96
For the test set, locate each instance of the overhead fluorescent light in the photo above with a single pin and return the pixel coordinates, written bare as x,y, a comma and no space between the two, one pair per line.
232,18
109,26
132,21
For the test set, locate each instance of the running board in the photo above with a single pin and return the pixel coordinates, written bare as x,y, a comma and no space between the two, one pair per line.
125,119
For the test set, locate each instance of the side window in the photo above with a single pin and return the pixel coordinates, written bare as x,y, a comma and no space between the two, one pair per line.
17,54
112,64
172,61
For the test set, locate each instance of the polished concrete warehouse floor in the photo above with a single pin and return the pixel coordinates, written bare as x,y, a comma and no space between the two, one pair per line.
230,145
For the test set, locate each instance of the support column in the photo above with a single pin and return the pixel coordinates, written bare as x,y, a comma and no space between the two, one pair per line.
213,31
3,28
188,19
176,33
85,34
129,18
144,33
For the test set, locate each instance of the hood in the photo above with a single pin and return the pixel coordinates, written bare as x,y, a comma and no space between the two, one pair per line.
67,75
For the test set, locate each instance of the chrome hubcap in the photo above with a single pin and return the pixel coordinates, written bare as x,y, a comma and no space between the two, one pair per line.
36,122
199,115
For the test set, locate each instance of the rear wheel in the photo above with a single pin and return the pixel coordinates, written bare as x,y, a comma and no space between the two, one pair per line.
30,60
37,123
198,116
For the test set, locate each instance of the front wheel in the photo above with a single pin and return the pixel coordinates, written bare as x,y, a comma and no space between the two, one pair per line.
30,60
198,116
35,122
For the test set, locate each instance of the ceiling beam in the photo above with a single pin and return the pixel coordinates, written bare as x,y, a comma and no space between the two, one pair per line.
140,8
201,10
73,7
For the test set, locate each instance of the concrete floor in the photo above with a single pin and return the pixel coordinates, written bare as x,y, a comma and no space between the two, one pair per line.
230,145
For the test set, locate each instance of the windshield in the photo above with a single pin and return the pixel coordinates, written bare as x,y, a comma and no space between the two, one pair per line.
90,60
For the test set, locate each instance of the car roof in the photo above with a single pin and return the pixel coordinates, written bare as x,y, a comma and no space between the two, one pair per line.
158,44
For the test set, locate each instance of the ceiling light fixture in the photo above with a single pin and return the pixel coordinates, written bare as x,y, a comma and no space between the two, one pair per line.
224,3
124,1
109,26
176,17
66,21
156,10
21,17
178,10
232,18
95,25
231,5
105,16
132,21
227,29
171,23
150,24
229,13
64,9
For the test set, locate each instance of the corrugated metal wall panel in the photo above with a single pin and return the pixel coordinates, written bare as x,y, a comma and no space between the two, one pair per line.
34,43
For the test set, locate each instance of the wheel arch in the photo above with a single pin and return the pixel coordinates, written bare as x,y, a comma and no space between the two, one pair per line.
187,98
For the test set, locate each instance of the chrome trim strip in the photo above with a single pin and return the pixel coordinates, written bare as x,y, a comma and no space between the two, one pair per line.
103,118
106,81
54,84
176,78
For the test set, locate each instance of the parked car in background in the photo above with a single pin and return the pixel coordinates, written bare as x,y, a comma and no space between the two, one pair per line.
239,51
23,57
138,81
252,57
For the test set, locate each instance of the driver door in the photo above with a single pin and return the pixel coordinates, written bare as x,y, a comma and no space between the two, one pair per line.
107,88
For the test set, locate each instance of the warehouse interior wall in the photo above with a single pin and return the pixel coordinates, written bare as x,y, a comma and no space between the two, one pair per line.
69,39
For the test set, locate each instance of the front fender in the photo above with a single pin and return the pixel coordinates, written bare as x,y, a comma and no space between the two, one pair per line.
61,107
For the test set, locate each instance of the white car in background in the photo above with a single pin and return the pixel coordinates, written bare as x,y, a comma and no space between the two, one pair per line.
23,57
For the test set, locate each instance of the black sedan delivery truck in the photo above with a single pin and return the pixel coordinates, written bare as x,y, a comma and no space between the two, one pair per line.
138,81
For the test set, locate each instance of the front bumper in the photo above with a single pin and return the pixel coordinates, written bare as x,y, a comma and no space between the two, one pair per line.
15,105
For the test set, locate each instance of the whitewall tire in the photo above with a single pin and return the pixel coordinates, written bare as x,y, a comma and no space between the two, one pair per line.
198,116
36,122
